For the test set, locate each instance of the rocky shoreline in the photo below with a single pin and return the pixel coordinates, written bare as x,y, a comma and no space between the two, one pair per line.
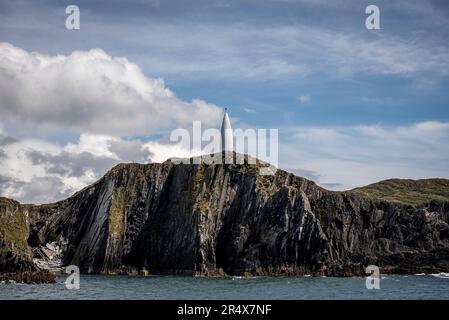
28,277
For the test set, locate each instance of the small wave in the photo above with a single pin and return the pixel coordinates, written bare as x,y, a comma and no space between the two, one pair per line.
420,274
12,282
443,275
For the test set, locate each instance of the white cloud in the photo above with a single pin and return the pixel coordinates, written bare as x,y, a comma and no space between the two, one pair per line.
162,152
241,51
35,171
97,145
347,157
89,91
304,99
72,184
249,110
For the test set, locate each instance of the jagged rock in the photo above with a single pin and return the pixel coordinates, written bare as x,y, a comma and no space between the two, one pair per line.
49,257
212,220
145,273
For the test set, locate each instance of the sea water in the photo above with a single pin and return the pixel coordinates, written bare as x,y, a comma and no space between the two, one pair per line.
177,287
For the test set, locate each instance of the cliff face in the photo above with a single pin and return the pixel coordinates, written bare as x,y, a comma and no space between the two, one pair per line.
216,219
15,253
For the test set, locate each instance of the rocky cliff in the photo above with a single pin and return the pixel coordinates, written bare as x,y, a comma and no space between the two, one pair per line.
225,219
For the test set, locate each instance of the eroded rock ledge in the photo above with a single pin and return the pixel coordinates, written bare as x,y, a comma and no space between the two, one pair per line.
28,277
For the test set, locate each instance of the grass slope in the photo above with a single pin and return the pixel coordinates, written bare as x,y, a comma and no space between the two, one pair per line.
412,192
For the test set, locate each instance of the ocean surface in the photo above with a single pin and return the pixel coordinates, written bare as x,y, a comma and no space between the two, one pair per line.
178,287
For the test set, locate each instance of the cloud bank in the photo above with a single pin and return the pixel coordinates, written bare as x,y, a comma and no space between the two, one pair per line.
67,119
36,171
351,156
89,91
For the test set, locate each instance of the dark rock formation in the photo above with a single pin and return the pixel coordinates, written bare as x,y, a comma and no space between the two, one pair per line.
216,219
28,277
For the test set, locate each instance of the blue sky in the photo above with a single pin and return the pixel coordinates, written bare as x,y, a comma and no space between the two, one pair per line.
353,106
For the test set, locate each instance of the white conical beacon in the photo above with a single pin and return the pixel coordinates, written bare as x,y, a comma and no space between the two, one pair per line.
227,138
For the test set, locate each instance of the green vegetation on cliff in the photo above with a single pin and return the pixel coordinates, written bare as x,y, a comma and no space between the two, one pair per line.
117,213
132,177
13,225
411,192
202,198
